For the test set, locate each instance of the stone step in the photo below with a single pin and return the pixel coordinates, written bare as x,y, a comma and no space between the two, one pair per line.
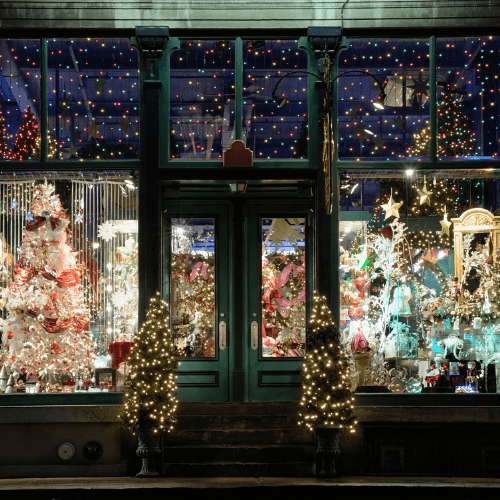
240,469
239,453
238,440
217,422
237,436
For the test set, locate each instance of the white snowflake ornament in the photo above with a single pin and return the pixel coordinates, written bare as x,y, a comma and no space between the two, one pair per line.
107,231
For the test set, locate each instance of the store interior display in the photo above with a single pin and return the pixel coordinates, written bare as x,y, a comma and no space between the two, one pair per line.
193,286
283,287
69,284
423,290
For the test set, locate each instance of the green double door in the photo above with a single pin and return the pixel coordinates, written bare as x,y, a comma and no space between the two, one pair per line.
238,278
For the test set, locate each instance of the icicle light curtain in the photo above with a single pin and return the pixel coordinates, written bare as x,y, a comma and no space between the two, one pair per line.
103,213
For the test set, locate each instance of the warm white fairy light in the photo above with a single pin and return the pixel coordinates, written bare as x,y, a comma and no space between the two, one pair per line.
326,397
150,396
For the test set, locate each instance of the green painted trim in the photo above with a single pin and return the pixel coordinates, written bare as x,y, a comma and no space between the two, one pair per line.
421,165
238,118
44,100
173,44
313,105
69,165
257,164
344,44
354,215
433,104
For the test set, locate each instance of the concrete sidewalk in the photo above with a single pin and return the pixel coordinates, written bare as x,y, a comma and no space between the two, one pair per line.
260,487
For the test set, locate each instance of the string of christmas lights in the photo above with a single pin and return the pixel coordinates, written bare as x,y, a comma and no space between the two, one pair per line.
326,398
150,394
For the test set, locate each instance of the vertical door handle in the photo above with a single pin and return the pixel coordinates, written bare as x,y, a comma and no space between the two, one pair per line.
222,335
254,330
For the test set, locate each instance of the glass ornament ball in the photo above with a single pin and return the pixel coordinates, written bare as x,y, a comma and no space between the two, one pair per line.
101,362
40,317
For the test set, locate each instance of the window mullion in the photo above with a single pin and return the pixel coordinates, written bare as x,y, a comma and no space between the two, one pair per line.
43,102
432,109
238,81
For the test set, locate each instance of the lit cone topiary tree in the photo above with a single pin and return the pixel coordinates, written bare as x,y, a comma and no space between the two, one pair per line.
326,404
150,395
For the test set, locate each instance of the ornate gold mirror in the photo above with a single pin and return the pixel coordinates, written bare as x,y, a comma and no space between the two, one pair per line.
477,221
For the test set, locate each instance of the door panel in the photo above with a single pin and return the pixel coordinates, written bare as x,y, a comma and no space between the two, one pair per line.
279,276
197,262
238,281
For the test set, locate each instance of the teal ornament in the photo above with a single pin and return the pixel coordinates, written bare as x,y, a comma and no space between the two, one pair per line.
101,362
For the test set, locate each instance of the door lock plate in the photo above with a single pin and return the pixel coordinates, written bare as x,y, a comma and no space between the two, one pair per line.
254,330
222,335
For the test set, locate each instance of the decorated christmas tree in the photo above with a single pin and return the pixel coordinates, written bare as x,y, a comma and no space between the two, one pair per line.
27,145
283,288
45,332
4,148
455,137
193,300
150,396
326,398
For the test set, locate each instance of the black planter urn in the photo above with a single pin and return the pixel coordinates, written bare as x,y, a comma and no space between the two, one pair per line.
327,451
148,450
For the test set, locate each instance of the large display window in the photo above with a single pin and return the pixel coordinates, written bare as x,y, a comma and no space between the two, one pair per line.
420,281
68,282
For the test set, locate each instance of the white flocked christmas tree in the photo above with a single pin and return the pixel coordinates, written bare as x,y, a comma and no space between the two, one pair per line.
45,334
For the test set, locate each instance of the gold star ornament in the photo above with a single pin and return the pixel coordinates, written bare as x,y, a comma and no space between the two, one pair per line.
392,208
425,195
445,224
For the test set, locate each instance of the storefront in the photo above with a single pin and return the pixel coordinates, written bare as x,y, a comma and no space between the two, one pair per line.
236,172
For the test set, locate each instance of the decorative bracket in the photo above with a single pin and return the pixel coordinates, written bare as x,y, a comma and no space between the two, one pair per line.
237,155
324,41
152,41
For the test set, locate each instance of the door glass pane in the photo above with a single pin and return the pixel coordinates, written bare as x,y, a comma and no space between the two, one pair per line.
283,287
193,286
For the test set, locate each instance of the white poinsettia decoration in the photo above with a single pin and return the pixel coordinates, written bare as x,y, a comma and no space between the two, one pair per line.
107,231
119,298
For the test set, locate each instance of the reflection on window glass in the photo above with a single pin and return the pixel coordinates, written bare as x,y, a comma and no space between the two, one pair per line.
270,131
202,99
468,114
68,279
420,282
402,67
93,94
19,99
193,286
283,287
